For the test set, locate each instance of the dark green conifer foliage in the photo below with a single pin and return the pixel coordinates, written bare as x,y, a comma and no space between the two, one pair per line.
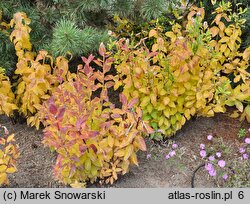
78,26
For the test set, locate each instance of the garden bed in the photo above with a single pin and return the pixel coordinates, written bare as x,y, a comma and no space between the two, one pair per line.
36,161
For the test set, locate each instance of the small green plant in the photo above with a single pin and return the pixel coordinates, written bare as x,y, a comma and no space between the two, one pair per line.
242,133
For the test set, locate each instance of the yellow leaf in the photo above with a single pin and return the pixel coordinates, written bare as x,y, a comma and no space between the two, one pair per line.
171,35
231,45
237,79
11,170
145,101
152,33
3,178
235,114
214,30
133,159
218,109
224,39
10,138
221,26
187,114
128,152
21,87
77,184
155,47
110,141
119,153
153,99
117,85
239,106
3,168
87,164
223,47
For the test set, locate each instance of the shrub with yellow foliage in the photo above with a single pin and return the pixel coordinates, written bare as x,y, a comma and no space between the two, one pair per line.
93,137
7,105
37,74
195,69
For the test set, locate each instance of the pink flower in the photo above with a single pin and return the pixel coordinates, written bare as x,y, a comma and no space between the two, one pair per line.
212,172
203,153
225,177
242,150
167,156
248,129
222,163
245,156
174,146
172,153
209,167
211,158
218,154
202,146
148,156
247,140
210,137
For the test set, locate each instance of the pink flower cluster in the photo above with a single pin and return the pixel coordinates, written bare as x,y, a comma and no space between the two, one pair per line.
243,151
172,152
210,165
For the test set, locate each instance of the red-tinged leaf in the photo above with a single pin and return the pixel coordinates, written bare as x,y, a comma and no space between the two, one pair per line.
152,54
97,86
93,133
123,99
51,100
99,76
83,149
110,60
105,126
74,158
77,86
80,123
61,113
64,129
105,115
90,59
98,62
106,67
102,50
52,109
85,60
109,77
148,129
109,84
104,95
115,116
88,134
142,144
132,102
73,167
88,70
93,147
